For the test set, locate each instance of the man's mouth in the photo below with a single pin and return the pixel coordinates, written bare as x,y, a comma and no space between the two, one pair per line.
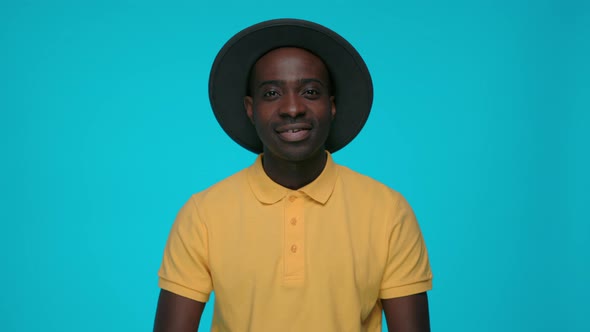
294,132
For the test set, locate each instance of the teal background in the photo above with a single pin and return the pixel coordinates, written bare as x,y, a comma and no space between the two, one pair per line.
480,118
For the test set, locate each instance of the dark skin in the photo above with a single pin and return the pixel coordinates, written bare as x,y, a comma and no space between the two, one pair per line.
176,313
291,107
291,91
407,313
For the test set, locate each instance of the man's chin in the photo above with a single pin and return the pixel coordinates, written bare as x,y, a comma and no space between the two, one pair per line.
299,154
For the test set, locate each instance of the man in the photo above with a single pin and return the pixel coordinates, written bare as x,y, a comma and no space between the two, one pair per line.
295,242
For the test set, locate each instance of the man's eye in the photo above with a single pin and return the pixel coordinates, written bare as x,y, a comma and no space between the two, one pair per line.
311,92
270,94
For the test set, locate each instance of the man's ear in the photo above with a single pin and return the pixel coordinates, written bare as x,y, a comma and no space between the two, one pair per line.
333,107
248,106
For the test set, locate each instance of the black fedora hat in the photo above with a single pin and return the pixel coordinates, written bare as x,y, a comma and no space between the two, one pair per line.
353,88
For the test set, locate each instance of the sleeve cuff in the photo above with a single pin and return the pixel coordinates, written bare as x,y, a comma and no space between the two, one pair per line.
183,291
415,288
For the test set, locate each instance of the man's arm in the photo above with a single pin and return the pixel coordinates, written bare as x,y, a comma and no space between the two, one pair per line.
407,314
177,314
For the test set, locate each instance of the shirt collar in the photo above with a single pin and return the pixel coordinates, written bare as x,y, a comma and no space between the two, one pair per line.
269,192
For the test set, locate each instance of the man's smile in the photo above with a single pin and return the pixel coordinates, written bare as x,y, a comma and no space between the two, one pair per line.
294,132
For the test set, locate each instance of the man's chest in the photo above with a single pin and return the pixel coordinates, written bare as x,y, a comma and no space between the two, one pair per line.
297,243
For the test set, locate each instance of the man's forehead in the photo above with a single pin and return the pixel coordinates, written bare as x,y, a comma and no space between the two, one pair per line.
290,65
292,61
289,52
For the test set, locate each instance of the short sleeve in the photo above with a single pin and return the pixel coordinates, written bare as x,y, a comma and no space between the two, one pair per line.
185,266
407,269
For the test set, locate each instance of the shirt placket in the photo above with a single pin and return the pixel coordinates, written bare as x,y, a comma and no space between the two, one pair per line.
294,244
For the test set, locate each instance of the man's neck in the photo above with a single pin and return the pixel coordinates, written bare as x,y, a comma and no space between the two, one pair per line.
294,175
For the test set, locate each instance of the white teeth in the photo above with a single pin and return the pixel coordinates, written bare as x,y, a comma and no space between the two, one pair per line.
291,131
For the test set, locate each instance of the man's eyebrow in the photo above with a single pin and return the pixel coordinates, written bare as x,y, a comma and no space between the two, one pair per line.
270,82
301,81
311,80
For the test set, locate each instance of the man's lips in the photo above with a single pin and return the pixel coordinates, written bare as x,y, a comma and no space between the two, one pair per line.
293,127
294,132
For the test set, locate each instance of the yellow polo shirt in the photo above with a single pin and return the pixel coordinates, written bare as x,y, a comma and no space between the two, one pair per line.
314,259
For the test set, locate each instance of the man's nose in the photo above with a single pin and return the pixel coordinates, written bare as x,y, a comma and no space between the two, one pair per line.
293,105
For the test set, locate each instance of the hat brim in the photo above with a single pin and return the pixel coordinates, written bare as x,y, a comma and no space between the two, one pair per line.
352,84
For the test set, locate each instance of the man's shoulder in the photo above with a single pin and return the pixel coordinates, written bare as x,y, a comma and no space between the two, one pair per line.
358,183
225,189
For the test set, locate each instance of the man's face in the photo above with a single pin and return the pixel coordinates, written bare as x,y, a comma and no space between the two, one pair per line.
291,105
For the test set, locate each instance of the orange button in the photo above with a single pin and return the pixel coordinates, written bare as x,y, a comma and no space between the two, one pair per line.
292,198
293,221
293,248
